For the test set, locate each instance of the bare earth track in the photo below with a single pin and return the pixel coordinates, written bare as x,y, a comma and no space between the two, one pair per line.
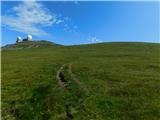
63,83
68,85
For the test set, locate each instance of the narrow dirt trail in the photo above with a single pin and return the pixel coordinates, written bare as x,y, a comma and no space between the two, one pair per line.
63,83
60,77
76,92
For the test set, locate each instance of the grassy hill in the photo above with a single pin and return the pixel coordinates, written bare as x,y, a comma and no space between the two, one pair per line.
105,81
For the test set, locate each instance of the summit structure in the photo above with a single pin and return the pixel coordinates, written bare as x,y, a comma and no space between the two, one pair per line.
19,39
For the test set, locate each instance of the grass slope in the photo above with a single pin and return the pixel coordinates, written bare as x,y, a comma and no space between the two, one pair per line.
106,81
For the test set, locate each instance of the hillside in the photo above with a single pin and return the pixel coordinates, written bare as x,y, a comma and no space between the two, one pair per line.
28,44
105,81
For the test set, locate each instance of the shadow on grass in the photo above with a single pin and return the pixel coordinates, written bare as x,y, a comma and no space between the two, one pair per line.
35,108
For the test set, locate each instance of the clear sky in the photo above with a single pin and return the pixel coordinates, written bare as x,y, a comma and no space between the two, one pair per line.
78,22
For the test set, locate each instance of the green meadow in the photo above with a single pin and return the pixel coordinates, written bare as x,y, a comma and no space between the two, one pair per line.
104,81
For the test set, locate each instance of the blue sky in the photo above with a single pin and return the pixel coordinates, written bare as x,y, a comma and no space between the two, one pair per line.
80,22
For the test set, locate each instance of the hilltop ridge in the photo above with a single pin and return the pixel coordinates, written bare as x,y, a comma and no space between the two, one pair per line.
28,44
